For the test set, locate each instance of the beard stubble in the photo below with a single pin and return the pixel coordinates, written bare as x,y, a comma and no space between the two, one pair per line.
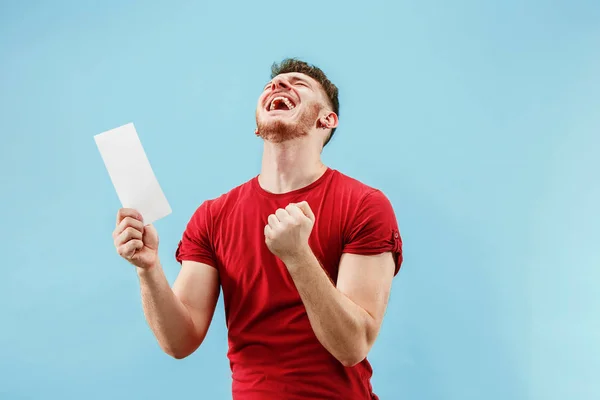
279,131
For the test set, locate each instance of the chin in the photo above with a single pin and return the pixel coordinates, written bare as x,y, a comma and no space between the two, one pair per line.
280,130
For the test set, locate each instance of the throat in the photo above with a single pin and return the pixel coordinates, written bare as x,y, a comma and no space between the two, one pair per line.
286,175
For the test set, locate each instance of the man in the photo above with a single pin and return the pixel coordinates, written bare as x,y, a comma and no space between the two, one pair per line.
305,256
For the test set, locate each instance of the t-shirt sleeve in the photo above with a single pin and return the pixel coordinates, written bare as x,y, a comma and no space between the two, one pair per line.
374,229
196,244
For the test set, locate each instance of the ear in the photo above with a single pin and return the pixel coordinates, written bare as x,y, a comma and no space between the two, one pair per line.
329,121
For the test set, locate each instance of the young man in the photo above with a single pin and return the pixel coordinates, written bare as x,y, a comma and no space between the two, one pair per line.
305,256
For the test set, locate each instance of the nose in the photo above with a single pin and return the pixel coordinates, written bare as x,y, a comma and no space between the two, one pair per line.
279,83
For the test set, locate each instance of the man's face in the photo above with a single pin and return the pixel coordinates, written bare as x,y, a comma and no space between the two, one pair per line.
289,107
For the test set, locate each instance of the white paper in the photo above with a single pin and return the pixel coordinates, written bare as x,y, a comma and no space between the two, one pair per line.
131,173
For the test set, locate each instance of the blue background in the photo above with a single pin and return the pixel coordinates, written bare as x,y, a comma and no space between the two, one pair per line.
479,120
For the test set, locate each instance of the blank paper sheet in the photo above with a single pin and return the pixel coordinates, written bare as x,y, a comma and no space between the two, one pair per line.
131,173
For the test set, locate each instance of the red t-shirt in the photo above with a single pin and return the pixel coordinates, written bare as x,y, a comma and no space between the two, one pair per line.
273,351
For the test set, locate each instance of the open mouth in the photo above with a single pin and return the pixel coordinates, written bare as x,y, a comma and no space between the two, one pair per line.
281,103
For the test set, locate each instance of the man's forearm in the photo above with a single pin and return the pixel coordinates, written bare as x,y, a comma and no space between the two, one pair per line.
167,316
340,324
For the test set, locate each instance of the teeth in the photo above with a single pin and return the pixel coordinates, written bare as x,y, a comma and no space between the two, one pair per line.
288,103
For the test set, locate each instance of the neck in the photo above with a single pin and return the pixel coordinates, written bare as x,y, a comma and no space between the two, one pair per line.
289,166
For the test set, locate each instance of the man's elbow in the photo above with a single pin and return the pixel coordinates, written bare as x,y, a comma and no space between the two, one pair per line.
181,351
351,362
352,359
355,355
176,353
359,350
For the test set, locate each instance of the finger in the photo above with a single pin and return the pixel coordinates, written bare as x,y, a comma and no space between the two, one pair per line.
268,231
126,223
282,215
149,231
303,205
128,249
128,235
132,222
295,212
273,221
128,212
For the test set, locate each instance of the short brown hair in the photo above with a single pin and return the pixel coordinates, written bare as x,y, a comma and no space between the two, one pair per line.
294,65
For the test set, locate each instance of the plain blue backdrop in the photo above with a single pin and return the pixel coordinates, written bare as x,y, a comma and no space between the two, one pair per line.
479,120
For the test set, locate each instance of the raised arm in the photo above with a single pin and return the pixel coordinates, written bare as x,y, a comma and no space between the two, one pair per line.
180,316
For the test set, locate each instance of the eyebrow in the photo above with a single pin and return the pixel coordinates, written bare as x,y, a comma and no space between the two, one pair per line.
300,78
292,78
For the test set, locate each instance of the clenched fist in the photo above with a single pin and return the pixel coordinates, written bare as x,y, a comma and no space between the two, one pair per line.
135,242
288,230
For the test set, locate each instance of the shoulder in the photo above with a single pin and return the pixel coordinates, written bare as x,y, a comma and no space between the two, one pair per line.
365,204
358,190
371,226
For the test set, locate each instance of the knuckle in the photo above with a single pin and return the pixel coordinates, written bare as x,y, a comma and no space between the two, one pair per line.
132,232
119,239
123,213
121,251
128,221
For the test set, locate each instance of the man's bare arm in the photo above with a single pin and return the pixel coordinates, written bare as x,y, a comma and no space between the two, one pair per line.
180,317
346,319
